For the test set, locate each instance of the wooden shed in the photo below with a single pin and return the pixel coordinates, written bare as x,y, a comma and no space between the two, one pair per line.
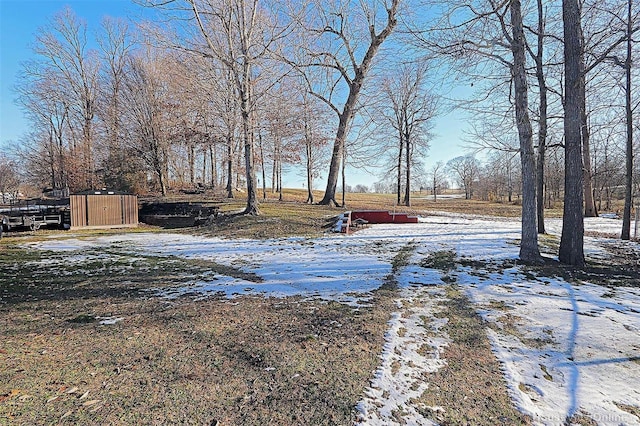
103,209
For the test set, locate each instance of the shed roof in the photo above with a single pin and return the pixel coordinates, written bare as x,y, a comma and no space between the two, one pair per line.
102,192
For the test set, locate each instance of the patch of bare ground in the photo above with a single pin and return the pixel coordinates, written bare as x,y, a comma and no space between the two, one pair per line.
581,418
277,219
470,389
621,269
631,409
248,361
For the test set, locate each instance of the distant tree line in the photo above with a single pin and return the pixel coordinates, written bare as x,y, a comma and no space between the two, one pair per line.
218,97
228,94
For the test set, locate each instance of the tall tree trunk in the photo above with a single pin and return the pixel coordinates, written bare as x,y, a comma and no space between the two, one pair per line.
214,165
52,163
435,187
589,203
344,178
264,173
407,188
204,165
572,240
160,169
192,162
274,168
400,152
230,166
628,184
280,197
542,123
87,135
309,153
338,150
529,251
248,135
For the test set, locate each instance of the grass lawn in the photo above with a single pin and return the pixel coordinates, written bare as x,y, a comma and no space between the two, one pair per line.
68,357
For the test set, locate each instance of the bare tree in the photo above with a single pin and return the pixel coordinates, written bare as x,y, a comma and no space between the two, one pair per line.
64,47
409,109
538,56
571,242
436,178
235,46
9,179
489,32
499,179
224,105
464,170
337,28
314,139
116,46
146,116
239,35
281,123
44,96
607,157
604,30
626,217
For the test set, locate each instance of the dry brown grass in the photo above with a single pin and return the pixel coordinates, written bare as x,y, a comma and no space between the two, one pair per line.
293,216
250,361
247,361
470,387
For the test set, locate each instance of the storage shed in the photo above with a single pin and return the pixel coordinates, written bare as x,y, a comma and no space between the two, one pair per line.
103,209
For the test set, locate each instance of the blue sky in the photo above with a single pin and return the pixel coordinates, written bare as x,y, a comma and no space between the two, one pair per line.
19,22
21,19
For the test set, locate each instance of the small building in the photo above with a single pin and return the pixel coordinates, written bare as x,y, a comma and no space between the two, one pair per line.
103,209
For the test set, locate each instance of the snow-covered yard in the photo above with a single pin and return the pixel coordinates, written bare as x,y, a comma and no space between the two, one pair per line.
566,348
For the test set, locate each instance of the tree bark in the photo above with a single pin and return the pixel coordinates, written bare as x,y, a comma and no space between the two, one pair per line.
309,153
192,162
542,123
628,187
338,148
589,203
248,135
214,165
399,165
407,188
230,166
435,187
264,173
571,243
529,251
344,178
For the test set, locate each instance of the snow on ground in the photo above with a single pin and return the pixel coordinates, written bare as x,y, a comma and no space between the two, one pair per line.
565,349
412,349
575,348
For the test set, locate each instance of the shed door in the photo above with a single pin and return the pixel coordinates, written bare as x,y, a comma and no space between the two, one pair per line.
104,210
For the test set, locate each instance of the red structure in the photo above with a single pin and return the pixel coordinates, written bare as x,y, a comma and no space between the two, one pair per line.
351,220
377,216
